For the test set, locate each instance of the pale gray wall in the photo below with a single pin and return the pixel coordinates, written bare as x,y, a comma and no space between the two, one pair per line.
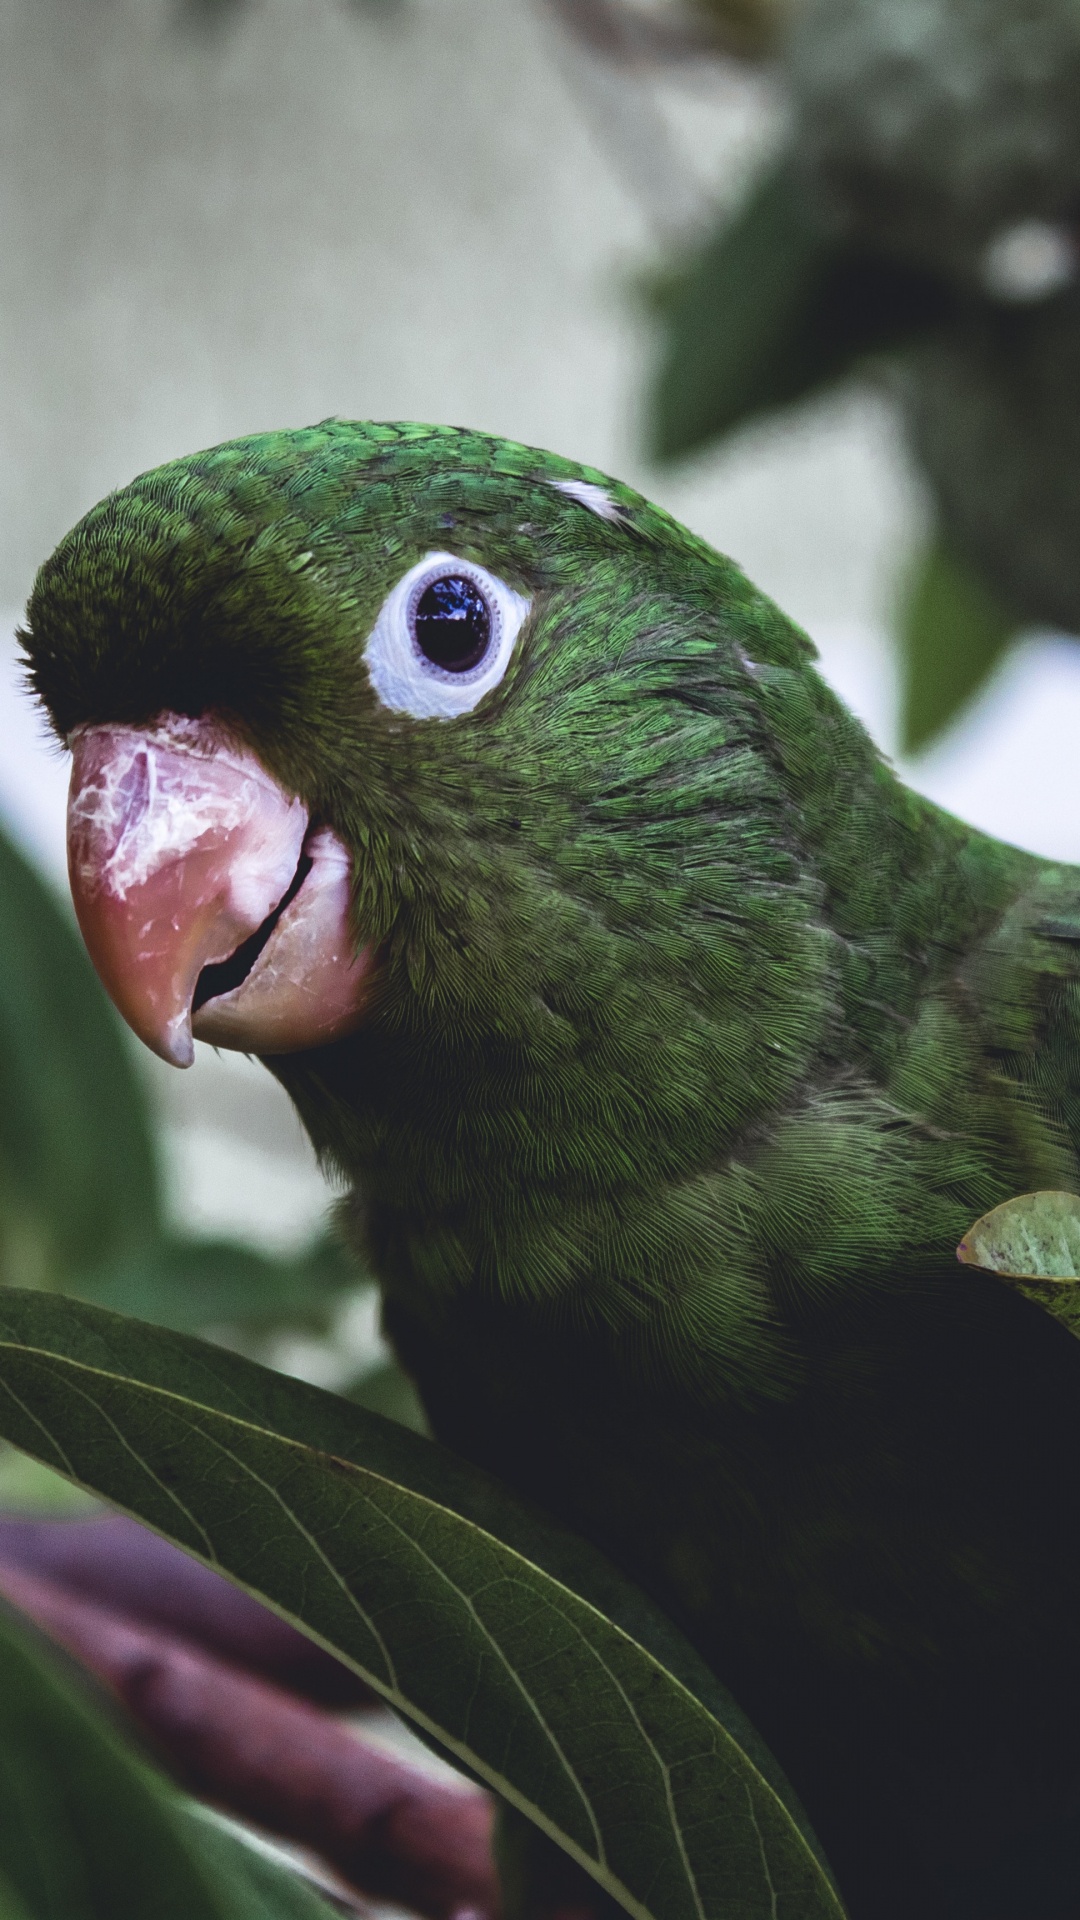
313,212
321,210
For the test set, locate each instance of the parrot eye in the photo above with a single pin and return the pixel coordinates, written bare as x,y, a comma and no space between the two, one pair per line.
451,623
443,638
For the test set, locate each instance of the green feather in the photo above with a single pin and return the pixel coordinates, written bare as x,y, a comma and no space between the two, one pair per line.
698,1044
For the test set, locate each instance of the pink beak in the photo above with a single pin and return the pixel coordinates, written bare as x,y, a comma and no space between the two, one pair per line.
209,908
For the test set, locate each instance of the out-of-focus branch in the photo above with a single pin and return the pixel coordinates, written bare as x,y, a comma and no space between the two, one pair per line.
616,86
123,1565
632,35
288,1766
619,57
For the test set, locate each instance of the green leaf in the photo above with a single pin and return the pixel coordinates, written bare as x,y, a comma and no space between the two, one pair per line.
953,633
510,1642
1033,1243
258,1888
78,1181
772,309
1034,1237
88,1831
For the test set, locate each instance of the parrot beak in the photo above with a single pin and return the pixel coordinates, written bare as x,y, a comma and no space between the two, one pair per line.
210,908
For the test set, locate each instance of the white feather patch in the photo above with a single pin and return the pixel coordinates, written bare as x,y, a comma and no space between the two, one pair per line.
588,494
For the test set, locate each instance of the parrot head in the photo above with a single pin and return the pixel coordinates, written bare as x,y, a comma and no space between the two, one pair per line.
478,797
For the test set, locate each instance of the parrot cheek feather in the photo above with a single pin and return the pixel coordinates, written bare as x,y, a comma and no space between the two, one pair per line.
185,855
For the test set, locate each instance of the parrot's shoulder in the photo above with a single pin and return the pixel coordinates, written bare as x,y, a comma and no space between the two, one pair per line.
1000,1032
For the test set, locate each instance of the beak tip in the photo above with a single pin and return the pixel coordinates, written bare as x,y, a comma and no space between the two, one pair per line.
175,1044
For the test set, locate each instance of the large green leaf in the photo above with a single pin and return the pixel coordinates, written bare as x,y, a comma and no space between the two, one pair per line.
772,309
953,633
89,1832
508,1641
78,1182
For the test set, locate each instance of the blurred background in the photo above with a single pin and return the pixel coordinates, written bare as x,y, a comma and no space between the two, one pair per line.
217,218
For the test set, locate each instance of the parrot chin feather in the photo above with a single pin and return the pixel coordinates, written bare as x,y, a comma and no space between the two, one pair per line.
211,907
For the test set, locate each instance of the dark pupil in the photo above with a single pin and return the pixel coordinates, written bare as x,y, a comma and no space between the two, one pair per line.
452,623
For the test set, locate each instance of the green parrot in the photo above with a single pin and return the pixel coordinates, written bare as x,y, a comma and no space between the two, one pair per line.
668,1046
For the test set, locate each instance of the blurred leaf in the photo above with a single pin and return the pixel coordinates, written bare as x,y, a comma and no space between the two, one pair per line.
953,633
748,27
387,1389
89,1832
11,1907
771,310
194,1284
78,1181
79,1194
26,1486
259,1889
1033,1243
388,1550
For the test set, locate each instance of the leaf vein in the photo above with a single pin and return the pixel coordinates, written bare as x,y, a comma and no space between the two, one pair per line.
146,1468
665,1775
765,1868
317,1549
556,1745
42,1428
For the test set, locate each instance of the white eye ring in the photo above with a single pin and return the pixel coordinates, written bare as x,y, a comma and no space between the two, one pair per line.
404,678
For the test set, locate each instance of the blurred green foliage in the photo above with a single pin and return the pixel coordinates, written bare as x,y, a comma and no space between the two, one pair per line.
770,310
189,1284
775,307
78,1176
952,634
920,219
89,1831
